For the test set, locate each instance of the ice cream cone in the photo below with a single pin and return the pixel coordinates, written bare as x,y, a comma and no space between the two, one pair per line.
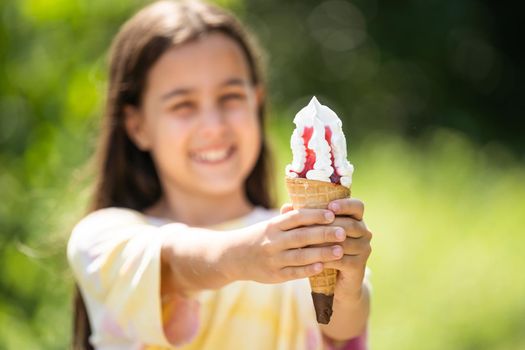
305,193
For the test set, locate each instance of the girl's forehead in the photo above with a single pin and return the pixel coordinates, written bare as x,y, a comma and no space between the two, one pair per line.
203,63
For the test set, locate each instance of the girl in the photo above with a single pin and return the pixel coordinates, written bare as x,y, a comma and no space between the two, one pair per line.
181,248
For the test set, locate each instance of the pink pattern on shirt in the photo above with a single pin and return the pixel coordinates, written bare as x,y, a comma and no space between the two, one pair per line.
312,339
111,326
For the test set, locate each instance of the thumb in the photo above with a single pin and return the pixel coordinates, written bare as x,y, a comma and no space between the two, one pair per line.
286,208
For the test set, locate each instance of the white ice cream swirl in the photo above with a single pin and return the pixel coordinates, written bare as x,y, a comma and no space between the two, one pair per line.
318,116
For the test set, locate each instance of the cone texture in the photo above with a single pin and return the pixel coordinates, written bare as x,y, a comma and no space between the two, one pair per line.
324,282
315,194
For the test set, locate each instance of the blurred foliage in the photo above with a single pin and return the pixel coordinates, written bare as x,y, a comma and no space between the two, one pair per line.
400,66
446,206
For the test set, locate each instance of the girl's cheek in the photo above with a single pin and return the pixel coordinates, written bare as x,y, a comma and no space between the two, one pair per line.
177,124
173,131
241,114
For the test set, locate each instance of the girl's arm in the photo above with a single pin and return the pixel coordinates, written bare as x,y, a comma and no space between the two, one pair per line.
194,259
350,317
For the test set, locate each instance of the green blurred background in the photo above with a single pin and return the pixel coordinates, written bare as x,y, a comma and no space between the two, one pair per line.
431,94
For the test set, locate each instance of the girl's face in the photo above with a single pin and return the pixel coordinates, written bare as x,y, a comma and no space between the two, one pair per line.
198,117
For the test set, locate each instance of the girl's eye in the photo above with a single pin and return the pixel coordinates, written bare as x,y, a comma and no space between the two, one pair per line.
231,99
183,108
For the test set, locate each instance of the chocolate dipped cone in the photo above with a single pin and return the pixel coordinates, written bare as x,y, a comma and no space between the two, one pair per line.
314,194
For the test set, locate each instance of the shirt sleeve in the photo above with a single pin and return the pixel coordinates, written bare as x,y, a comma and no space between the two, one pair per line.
115,257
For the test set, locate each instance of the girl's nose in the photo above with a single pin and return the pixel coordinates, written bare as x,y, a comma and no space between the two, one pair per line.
213,123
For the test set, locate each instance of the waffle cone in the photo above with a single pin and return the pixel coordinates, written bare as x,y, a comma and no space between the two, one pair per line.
324,282
312,194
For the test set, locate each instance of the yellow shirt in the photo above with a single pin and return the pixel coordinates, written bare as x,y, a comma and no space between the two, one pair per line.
115,257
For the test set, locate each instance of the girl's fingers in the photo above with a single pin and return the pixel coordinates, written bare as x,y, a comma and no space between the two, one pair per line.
286,208
352,227
356,246
348,207
348,262
306,256
305,236
296,272
303,217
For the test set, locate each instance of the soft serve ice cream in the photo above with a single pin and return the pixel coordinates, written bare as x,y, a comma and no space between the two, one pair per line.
319,173
319,146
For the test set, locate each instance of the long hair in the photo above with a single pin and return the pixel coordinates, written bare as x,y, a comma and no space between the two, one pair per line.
126,176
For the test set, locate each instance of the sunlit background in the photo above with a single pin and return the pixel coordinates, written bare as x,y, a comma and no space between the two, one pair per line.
431,94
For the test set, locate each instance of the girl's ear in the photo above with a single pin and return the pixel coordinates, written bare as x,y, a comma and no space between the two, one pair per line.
135,124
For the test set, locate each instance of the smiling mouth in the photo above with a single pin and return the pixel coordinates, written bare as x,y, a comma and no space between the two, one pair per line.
213,156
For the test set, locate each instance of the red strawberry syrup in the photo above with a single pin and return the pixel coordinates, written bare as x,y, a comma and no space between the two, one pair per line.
310,154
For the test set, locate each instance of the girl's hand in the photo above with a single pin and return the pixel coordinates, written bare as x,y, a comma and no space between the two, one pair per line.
356,246
284,248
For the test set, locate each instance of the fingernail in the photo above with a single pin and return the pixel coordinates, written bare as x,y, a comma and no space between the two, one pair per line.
337,251
340,233
318,267
334,206
329,216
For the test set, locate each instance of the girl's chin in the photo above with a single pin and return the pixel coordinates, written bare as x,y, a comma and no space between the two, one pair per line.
217,184
218,189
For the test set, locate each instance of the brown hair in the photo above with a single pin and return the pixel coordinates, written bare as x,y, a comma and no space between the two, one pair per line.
127,175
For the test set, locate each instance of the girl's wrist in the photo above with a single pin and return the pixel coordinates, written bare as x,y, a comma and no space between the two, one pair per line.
229,260
350,300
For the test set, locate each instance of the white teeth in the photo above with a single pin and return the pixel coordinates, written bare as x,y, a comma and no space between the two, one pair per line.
212,156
